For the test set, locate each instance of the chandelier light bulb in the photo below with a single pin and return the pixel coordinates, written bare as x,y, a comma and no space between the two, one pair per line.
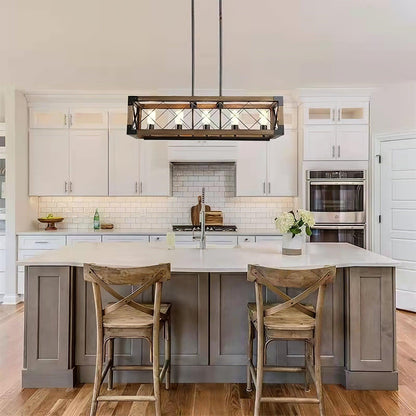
151,119
206,120
264,121
179,119
234,119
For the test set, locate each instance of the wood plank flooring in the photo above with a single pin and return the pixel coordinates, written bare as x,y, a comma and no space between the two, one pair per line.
199,399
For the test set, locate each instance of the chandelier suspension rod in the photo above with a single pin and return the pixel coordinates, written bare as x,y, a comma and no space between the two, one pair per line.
193,46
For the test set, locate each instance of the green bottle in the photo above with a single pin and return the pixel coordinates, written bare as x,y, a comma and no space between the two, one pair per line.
96,220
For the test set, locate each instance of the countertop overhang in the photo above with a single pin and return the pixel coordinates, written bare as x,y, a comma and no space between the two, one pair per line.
220,260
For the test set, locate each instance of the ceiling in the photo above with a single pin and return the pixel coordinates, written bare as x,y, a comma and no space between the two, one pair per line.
144,45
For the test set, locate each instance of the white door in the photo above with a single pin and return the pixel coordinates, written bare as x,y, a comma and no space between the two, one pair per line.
251,169
154,168
88,118
124,164
47,118
283,165
48,162
352,142
88,161
398,215
319,142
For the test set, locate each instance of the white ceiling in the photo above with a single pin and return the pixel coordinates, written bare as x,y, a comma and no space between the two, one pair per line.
144,45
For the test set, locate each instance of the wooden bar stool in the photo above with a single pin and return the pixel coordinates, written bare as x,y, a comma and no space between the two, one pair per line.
126,318
290,320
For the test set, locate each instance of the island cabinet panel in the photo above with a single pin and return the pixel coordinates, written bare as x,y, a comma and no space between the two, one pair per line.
48,327
189,295
332,344
126,351
229,295
371,323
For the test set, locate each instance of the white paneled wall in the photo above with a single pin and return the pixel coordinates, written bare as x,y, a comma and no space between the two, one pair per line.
161,212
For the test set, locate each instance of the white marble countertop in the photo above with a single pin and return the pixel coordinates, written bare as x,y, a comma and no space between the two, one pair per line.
135,254
150,231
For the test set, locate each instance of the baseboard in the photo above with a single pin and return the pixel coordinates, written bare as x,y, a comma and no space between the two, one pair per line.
12,299
406,300
44,379
371,380
211,374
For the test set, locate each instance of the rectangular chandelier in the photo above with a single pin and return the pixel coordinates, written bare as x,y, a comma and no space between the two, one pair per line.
204,117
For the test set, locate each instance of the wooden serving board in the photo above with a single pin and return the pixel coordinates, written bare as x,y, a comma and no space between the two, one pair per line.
214,218
195,211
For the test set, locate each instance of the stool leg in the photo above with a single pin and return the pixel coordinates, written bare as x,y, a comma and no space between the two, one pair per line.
110,356
249,353
260,364
98,372
318,379
167,352
308,360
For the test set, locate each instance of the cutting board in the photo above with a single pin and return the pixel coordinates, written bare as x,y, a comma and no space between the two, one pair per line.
214,218
196,209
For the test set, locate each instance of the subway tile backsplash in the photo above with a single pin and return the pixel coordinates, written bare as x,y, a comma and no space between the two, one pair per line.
161,212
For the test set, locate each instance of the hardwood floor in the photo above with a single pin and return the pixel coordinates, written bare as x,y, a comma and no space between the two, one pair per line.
199,399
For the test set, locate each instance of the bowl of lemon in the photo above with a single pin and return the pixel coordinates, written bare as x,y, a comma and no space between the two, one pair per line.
51,220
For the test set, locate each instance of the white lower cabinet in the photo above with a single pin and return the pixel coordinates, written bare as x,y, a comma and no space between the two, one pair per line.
126,238
157,238
246,239
264,238
72,239
2,264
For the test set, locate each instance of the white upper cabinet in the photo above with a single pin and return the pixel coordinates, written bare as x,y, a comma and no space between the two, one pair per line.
88,161
346,142
48,162
353,113
124,164
251,170
290,118
88,118
282,178
47,118
63,118
319,113
352,142
154,168
319,142
336,113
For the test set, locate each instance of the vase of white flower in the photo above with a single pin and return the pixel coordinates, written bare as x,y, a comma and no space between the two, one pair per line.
294,225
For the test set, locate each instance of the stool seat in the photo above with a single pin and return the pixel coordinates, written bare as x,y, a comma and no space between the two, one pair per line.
129,317
290,319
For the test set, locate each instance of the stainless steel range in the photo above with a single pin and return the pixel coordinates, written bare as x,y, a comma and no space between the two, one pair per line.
337,200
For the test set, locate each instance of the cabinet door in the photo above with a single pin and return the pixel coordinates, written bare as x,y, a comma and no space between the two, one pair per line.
319,142
88,118
320,113
251,168
89,163
352,142
352,113
283,165
124,163
155,168
290,117
41,118
48,162
117,119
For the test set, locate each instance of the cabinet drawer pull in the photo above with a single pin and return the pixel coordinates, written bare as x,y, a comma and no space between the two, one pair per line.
66,186
264,187
70,186
339,150
41,242
339,114
333,151
270,188
65,120
136,187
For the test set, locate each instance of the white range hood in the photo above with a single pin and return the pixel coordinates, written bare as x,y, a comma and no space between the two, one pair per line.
202,151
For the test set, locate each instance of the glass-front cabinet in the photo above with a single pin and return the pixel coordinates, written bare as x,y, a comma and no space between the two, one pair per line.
336,113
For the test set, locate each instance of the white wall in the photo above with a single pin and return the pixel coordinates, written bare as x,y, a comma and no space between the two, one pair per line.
2,109
393,108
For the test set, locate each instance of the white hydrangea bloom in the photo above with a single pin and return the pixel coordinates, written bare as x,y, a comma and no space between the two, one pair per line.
284,222
307,217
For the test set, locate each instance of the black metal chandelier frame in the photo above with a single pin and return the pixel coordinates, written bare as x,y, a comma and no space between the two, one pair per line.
249,118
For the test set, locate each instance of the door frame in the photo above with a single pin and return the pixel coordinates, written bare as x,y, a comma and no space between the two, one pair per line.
376,181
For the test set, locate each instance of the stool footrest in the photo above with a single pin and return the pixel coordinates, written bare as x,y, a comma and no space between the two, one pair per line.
126,398
303,400
133,367
285,369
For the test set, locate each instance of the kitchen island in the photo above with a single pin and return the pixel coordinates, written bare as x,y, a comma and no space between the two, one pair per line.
209,293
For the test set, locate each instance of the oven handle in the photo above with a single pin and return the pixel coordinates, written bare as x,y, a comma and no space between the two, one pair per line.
360,182
339,227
